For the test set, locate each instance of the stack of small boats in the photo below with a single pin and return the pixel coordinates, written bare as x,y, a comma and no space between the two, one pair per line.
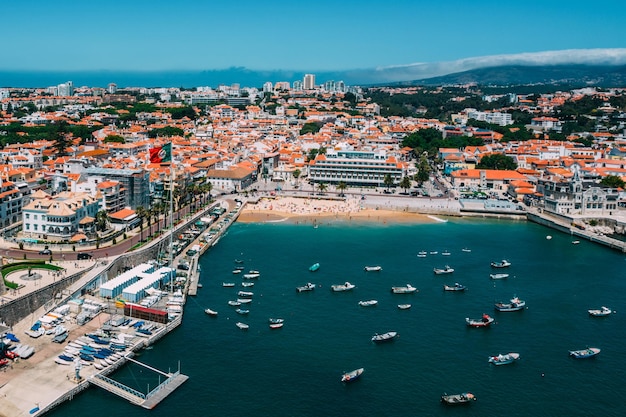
94,349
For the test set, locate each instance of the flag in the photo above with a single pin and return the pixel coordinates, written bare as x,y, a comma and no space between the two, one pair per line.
161,154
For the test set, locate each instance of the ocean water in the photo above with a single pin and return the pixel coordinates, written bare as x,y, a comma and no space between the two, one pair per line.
295,371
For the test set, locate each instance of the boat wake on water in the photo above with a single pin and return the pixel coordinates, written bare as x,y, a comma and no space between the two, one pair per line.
437,219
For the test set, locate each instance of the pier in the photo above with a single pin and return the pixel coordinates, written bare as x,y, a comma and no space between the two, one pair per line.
149,400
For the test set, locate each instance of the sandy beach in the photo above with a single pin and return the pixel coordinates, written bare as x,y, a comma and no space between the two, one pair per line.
314,210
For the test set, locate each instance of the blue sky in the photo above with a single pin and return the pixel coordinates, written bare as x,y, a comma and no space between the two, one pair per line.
293,35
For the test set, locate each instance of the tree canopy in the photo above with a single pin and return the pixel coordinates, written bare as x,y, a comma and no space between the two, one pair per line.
497,161
612,181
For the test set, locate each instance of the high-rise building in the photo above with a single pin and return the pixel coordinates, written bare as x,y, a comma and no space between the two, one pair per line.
66,89
268,87
309,81
297,85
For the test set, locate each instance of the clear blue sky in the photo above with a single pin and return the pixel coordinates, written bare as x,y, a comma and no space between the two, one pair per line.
293,35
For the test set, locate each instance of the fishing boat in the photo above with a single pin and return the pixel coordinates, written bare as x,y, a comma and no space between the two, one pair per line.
314,267
498,276
505,359
276,325
601,312
352,375
373,268
408,289
228,284
453,399
307,287
404,306
244,300
455,287
584,353
242,326
236,271
484,321
501,264
276,321
385,337
515,304
210,312
368,303
434,252
445,270
247,284
234,303
422,254
245,294
343,287
466,250
251,275
242,311
445,253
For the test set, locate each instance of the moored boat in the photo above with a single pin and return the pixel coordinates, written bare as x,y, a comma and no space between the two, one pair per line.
408,289
211,312
466,250
445,270
247,284
422,254
307,287
445,253
276,321
484,321
245,294
385,337
463,398
505,359
404,306
352,375
242,311
584,353
455,287
228,284
244,300
601,312
373,268
501,264
251,275
368,303
276,325
234,303
498,276
314,267
515,304
342,287
242,326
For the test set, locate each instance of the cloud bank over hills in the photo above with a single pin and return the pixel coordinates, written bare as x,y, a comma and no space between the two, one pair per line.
420,71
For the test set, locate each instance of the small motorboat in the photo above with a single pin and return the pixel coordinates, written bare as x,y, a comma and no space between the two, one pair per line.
352,375
505,359
210,312
422,254
445,270
408,289
247,284
498,276
276,325
314,267
368,303
373,268
484,321
445,253
236,271
245,294
434,252
343,287
385,337
251,275
404,306
234,303
466,250
276,321
453,399
228,284
584,353
242,326
514,305
238,261
501,264
307,287
575,242
455,287
601,312
242,311
244,300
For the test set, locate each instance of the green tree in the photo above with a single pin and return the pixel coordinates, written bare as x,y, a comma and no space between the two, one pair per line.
114,138
311,127
141,213
612,181
423,170
312,153
388,181
341,187
59,134
102,221
321,187
296,174
497,161
405,183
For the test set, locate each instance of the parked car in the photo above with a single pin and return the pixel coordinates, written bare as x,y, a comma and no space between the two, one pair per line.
84,256
45,251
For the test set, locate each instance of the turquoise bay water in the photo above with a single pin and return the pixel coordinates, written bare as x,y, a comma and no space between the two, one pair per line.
295,371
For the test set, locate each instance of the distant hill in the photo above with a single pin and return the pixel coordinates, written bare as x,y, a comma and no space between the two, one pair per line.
580,75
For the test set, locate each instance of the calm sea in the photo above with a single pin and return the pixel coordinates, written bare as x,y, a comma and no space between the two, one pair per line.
295,371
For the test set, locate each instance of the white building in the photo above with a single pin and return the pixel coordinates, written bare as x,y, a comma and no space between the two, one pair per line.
355,168
308,83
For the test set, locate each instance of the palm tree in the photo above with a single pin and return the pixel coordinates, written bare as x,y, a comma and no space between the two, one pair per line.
341,186
388,181
102,220
322,187
141,213
296,174
405,183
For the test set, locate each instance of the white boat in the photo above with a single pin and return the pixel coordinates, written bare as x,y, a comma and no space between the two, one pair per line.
245,294
385,337
404,306
244,300
368,303
343,287
247,284
251,275
276,321
501,264
373,268
445,270
234,303
498,276
242,311
228,284
422,254
584,353
504,359
210,312
408,289
236,271
575,242
352,375
515,304
445,253
601,312
98,366
62,361
466,250
276,325
242,326
307,287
